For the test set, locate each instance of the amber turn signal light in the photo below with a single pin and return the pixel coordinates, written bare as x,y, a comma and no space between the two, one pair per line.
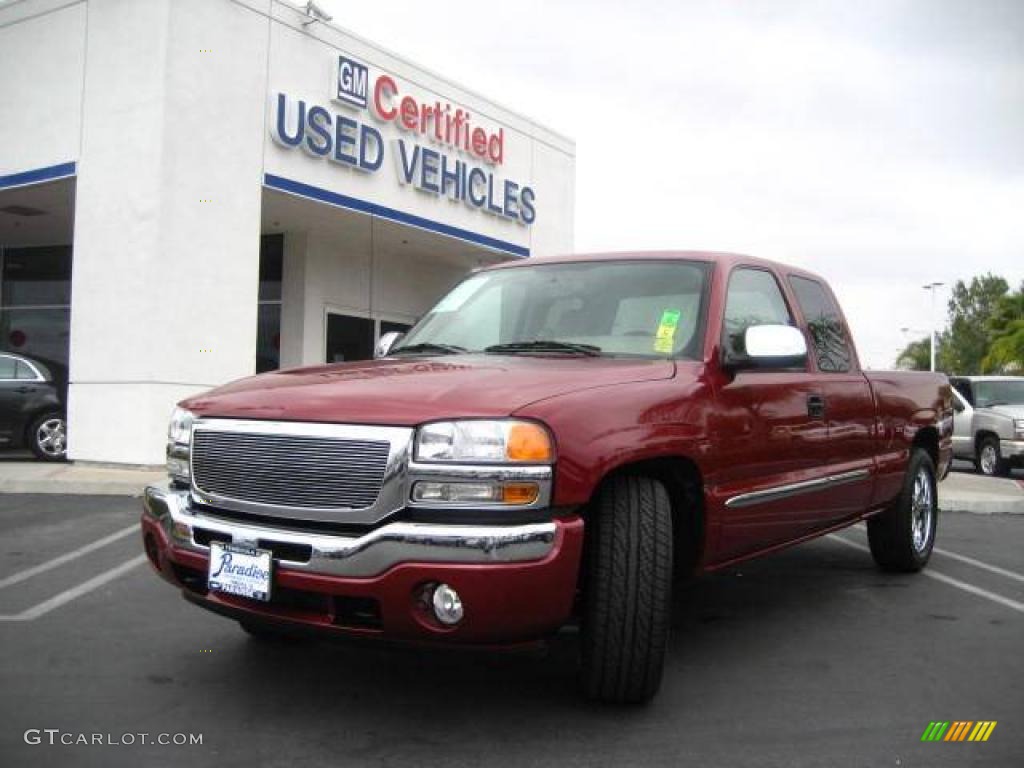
528,442
520,493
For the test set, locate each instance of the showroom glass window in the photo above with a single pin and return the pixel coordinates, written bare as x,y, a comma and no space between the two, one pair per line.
268,323
35,301
828,334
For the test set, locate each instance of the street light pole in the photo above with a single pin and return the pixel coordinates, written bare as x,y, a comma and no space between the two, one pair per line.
932,287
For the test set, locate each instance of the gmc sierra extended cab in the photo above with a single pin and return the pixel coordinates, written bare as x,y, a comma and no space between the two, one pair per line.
557,440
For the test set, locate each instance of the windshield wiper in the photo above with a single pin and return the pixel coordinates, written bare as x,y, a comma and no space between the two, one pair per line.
543,345
444,349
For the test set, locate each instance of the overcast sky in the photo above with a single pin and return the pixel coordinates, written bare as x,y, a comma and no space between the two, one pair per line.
878,142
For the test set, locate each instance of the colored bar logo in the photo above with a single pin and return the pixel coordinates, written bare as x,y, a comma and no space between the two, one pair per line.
958,730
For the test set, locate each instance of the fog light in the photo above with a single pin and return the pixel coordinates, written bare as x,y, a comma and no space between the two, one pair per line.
447,605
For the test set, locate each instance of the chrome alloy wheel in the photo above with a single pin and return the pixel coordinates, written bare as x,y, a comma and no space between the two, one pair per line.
922,511
989,459
51,437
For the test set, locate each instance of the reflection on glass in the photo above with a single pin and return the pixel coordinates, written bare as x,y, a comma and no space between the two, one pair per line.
271,265
640,309
40,333
36,276
268,338
35,298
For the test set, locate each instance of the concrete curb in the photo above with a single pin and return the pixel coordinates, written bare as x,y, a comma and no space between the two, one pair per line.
969,492
75,479
74,488
983,506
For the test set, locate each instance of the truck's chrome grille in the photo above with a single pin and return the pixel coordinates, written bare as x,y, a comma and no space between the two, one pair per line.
282,470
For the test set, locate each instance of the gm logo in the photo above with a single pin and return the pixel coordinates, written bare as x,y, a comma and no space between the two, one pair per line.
352,82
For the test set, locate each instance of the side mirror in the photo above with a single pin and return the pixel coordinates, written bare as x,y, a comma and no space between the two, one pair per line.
771,346
386,342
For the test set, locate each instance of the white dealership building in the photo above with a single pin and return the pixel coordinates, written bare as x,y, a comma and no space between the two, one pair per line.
195,190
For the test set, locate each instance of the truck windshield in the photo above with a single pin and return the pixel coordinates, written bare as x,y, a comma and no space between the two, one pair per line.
989,393
619,308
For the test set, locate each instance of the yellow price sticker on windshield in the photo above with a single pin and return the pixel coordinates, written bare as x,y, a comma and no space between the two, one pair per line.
664,339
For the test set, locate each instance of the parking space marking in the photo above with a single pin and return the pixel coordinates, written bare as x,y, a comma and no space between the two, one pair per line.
969,561
979,564
75,592
962,585
49,565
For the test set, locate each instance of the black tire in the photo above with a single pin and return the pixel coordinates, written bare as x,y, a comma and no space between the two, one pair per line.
47,436
628,591
897,542
1000,467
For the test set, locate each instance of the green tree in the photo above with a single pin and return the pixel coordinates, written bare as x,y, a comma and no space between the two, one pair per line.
1006,326
966,341
916,356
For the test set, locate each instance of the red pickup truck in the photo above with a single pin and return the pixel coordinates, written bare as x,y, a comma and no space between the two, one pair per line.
556,440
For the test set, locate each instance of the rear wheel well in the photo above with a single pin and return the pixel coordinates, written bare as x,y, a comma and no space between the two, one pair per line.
685,486
36,415
980,436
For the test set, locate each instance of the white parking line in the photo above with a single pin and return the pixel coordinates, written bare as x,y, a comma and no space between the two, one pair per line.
969,561
28,573
82,589
979,564
933,574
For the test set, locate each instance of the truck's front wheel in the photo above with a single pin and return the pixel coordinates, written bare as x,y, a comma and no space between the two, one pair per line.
902,537
628,590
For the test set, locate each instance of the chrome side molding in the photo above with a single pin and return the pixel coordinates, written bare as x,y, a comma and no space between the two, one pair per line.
794,489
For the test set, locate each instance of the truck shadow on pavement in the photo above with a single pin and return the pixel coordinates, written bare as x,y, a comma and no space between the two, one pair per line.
735,614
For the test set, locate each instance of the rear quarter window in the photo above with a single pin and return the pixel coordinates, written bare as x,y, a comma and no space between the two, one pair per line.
828,333
8,368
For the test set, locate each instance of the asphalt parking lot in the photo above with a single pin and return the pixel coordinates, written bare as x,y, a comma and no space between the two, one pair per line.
810,657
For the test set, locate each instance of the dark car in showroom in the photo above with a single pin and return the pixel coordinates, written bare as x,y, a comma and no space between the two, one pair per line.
33,412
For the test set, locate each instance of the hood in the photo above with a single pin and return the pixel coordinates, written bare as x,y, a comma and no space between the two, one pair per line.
410,391
1010,411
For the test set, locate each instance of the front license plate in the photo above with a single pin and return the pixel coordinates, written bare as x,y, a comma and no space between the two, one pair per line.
239,570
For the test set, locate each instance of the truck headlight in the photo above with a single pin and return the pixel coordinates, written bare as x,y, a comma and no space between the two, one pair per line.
1018,427
506,441
179,445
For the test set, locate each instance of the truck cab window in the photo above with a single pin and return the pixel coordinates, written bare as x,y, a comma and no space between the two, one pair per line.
754,298
963,386
828,333
641,309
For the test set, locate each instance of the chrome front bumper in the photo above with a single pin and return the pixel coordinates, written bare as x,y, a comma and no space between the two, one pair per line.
354,556
1011,448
